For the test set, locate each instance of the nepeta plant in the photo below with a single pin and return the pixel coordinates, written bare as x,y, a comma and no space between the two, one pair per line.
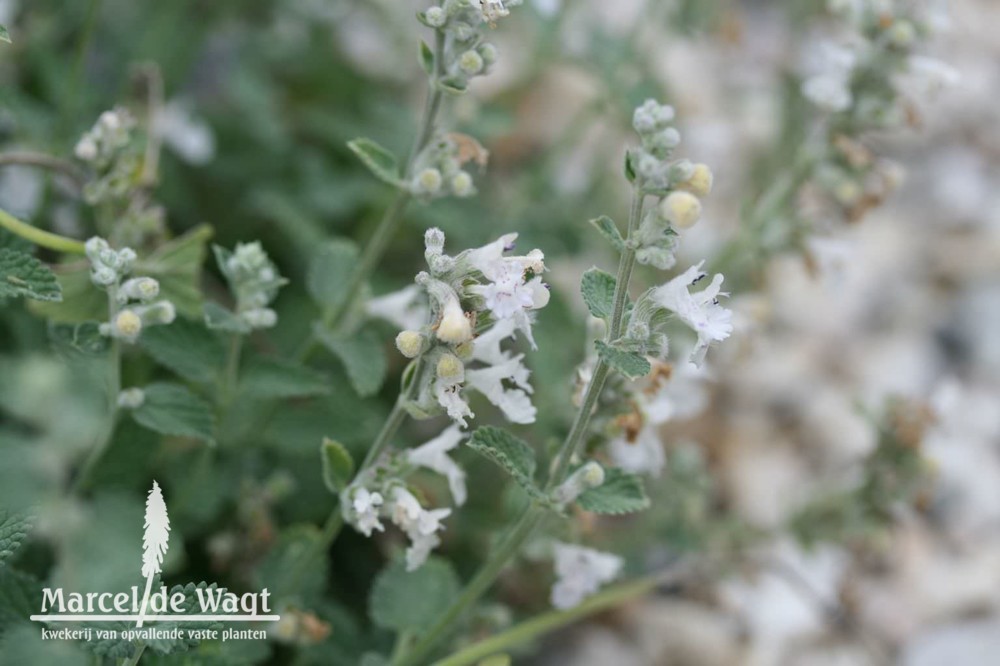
130,305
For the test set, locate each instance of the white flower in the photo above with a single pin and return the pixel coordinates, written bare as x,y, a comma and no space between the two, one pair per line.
366,511
449,396
514,402
190,137
487,345
581,572
642,456
420,548
405,509
830,92
434,456
402,308
700,311
420,526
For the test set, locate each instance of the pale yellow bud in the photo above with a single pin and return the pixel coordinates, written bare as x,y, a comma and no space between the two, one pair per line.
410,343
128,325
450,367
455,328
700,181
681,209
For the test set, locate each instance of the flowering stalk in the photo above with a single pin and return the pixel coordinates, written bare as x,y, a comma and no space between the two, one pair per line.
41,238
530,518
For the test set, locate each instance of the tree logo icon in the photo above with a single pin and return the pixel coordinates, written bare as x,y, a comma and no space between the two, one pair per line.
154,541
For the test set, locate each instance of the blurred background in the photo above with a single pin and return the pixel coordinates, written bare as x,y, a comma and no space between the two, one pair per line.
835,330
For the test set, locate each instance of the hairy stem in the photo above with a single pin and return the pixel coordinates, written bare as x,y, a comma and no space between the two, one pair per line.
43,161
528,520
386,230
231,375
38,237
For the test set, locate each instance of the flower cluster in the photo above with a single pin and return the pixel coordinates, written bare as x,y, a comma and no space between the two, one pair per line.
382,492
254,280
439,167
866,79
580,573
681,183
135,304
478,299
107,140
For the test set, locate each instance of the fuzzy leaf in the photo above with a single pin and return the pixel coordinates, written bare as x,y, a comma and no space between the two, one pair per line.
379,161
81,301
187,347
509,452
606,226
19,596
363,358
219,318
629,169
23,275
620,493
631,364
14,530
598,288
79,339
274,378
177,266
411,600
426,58
171,409
329,270
338,466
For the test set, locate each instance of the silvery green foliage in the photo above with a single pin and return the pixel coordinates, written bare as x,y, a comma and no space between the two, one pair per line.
254,281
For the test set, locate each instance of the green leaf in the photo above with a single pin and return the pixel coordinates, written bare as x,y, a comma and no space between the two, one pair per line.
275,378
14,530
338,466
12,241
609,230
620,493
84,339
218,318
363,358
4,35
177,265
20,594
329,271
81,301
630,364
598,288
296,566
629,169
23,275
412,600
456,85
379,161
187,347
426,58
171,409
510,453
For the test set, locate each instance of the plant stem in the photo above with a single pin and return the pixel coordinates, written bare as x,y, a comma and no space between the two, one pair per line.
38,237
550,621
528,520
134,659
43,161
232,368
388,226
114,388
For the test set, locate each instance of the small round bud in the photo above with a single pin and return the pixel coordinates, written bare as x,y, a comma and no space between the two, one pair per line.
162,312
464,350
666,139
450,366
455,328
110,121
126,257
428,181
435,17
86,149
140,289
410,343
127,325
461,184
902,34
591,475
489,53
700,181
663,114
648,166
681,209
434,240
260,318
131,398
471,63
103,276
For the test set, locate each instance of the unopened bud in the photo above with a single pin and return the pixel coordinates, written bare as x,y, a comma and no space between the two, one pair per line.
681,209
435,17
489,53
86,149
428,181
131,398
161,312
455,328
591,475
260,318
410,343
461,184
699,183
471,63
450,367
127,325
139,289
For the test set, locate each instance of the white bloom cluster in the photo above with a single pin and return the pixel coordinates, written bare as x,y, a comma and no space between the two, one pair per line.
438,169
479,298
254,280
103,143
107,269
381,492
580,573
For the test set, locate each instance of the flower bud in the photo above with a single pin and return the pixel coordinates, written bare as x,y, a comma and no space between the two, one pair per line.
161,312
131,398
471,63
434,240
681,209
435,17
260,318
902,34
699,183
489,53
461,184
127,325
103,276
455,328
139,289
410,343
450,367
666,139
591,475
86,149
428,181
